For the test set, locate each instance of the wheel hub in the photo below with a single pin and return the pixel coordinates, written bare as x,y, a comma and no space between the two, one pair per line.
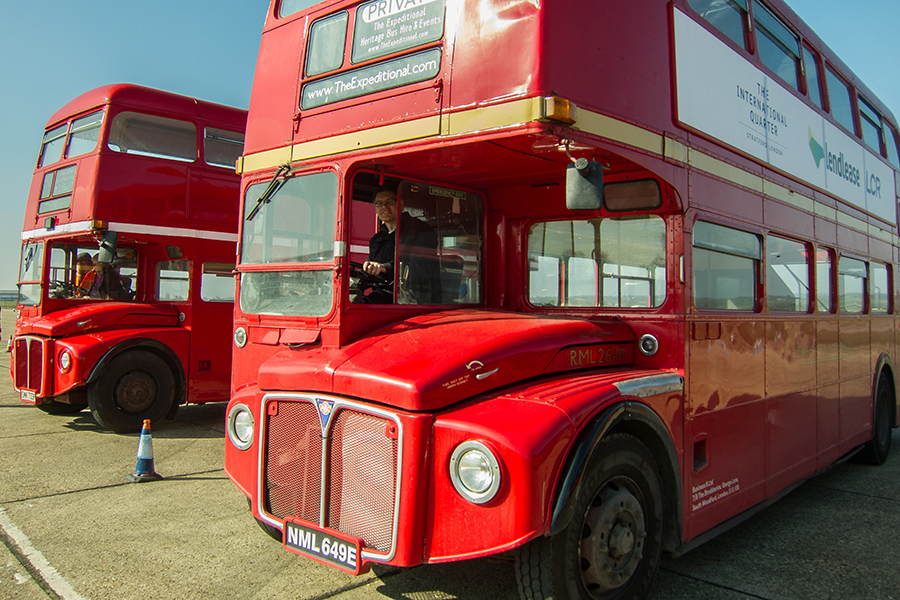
613,535
135,391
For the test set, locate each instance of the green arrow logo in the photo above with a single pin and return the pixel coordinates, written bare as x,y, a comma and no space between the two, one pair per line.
817,151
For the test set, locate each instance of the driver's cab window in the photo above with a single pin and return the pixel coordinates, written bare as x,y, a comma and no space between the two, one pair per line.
76,273
413,242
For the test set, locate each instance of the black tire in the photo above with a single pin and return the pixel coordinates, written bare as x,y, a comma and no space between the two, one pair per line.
61,408
611,548
876,450
134,386
273,531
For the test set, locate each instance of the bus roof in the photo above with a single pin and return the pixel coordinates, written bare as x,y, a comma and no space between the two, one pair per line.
149,98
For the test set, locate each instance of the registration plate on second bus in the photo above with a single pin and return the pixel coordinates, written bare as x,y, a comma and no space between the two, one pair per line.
27,396
326,546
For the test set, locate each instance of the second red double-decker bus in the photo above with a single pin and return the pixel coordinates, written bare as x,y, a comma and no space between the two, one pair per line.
125,284
586,281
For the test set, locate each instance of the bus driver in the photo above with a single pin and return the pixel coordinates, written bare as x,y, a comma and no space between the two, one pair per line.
418,277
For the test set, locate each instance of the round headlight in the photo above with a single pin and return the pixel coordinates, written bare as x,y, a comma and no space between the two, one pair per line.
65,361
240,426
648,344
475,472
240,337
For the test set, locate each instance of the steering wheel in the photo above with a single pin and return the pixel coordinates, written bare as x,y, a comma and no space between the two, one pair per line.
378,282
61,289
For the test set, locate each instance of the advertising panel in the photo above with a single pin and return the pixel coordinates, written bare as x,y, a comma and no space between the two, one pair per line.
726,97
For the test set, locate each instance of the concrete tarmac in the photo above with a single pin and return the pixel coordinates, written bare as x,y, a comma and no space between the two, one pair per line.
72,527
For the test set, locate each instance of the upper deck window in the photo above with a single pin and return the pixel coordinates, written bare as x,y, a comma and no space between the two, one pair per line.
327,38
728,16
289,7
221,147
841,99
149,135
811,68
779,48
82,138
611,263
872,126
56,190
52,146
893,150
84,134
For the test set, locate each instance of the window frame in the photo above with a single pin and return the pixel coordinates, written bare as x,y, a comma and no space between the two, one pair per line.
831,74
765,28
769,241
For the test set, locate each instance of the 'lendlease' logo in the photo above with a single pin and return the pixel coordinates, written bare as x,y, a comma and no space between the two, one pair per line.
834,163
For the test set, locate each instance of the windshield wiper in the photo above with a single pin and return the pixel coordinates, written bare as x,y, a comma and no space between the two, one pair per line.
274,185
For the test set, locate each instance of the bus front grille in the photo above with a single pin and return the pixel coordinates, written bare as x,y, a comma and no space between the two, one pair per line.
29,363
344,479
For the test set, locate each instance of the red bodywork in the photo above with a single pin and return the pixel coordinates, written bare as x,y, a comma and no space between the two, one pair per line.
736,402
162,210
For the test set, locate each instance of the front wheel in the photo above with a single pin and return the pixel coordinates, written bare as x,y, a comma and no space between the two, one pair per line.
611,548
134,386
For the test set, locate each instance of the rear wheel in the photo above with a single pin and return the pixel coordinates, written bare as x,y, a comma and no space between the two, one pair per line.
134,386
876,450
611,548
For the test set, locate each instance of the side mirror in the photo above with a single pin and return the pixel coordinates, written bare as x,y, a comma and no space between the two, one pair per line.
584,185
107,252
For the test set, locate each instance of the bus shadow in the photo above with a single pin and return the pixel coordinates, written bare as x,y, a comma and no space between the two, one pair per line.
191,422
476,579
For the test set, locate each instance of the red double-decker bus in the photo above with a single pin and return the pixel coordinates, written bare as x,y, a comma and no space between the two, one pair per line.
585,281
126,288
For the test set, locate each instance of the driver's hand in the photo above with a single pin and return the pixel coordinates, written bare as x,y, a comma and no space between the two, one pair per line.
373,268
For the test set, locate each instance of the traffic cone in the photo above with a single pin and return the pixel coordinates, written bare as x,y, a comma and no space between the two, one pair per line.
144,470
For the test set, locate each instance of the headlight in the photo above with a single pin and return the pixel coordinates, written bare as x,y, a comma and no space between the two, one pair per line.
475,472
648,344
240,337
65,361
240,426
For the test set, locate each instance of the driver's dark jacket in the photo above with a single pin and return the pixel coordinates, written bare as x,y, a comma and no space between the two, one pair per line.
418,244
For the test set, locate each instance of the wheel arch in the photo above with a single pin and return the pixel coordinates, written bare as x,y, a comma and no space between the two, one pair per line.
639,421
150,345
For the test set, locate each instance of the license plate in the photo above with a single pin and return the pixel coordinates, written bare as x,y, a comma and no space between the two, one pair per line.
27,396
326,546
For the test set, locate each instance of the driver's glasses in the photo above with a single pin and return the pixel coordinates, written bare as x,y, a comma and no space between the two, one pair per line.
385,203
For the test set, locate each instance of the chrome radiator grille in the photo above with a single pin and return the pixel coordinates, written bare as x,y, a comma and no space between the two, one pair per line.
29,366
346,480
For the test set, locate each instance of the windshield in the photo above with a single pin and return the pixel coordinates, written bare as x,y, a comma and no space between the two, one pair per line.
30,269
610,262
294,229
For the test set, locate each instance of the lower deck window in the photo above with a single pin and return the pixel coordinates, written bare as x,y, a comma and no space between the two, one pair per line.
726,267
610,263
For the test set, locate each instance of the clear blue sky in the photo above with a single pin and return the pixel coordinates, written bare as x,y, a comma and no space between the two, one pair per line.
54,50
